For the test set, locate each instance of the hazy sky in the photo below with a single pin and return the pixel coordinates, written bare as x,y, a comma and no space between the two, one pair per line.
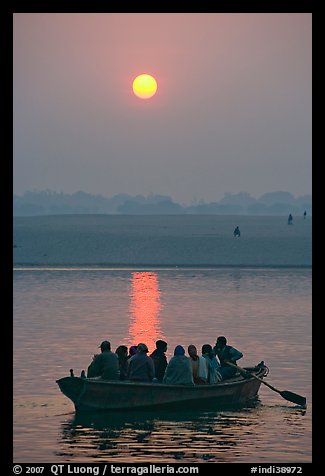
232,111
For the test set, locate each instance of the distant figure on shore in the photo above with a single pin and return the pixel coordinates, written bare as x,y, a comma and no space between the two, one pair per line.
236,232
305,214
290,219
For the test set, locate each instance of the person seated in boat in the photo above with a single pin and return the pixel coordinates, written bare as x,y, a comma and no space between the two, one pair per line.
237,232
214,375
122,354
104,365
226,353
140,366
159,359
199,364
132,351
179,369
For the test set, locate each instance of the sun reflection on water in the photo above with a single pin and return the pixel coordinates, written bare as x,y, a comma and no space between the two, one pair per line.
144,309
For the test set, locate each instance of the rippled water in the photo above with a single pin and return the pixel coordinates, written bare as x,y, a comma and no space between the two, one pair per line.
61,316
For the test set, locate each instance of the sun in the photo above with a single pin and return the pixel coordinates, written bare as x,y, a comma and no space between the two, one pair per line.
144,86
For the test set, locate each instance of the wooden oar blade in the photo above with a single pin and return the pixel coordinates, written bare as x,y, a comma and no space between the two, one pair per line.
293,397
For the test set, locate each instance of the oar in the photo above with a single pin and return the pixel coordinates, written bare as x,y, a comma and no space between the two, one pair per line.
290,396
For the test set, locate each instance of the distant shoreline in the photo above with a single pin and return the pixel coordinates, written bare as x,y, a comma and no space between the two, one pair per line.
47,202
153,267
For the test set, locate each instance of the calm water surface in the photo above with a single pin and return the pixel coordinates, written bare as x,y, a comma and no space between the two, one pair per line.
62,315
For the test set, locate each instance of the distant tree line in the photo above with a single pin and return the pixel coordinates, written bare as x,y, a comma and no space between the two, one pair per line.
49,202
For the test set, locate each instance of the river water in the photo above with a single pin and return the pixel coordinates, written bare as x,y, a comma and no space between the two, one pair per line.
62,313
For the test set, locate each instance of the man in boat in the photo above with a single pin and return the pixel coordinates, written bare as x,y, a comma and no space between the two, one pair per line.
105,365
122,354
159,359
199,364
179,369
226,353
237,232
132,351
214,375
141,367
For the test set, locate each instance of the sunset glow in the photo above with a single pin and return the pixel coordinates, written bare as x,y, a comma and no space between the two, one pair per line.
145,307
144,86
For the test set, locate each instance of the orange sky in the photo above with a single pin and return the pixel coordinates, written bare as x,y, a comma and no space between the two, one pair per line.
232,112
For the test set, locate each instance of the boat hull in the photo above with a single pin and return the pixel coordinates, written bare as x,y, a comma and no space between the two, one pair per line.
97,394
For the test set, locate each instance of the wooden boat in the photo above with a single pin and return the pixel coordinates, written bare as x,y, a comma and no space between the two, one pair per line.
98,394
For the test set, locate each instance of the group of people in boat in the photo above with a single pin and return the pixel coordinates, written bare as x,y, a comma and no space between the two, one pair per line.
134,364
